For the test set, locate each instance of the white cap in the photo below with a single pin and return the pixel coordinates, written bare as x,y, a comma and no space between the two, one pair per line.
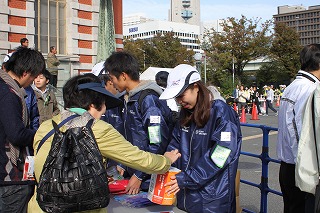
179,79
98,68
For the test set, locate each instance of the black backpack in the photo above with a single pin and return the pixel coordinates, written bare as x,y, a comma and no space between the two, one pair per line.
73,177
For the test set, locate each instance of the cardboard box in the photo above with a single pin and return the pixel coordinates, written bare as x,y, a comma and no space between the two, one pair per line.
156,192
28,169
238,183
238,208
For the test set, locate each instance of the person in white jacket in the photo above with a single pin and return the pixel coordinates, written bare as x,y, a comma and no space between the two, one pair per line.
308,158
292,106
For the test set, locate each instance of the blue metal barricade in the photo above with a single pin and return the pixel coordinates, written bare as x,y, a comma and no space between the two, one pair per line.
265,159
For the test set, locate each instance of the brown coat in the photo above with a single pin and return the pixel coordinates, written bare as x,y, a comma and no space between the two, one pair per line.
47,108
52,63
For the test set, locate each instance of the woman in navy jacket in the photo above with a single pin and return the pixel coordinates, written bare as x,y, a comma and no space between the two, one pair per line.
209,140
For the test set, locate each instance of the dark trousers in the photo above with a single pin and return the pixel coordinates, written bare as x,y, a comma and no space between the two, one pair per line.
269,105
295,200
15,198
258,106
54,80
240,106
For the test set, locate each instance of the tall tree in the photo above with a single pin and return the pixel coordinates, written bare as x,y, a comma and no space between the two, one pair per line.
241,40
166,50
283,57
163,50
136,48
285,49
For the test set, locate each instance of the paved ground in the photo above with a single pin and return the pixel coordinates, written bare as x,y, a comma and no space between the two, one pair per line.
251,167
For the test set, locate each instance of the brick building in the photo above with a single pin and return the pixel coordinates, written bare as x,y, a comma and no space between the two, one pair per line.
70,25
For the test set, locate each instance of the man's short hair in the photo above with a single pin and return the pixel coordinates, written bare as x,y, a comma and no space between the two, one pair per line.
310,58
23,40
161,78
104,78
52,48
26,60
119,62
46,74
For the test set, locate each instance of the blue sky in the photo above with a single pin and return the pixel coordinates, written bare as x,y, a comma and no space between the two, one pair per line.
213,9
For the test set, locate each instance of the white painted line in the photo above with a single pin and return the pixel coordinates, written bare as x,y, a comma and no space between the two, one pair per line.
257,136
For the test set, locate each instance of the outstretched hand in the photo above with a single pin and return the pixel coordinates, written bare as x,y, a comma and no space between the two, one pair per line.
173,155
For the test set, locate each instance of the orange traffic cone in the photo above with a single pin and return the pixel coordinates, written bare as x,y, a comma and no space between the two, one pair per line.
254,114
243,116
278,102
235,107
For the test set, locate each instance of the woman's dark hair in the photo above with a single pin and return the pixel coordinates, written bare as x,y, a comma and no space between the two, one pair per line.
310,57
119,62
201,112
25,60
73,97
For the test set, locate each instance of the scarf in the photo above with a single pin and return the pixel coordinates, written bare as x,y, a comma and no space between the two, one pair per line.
21,93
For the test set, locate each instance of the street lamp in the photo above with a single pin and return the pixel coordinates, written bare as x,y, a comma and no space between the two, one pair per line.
198,57
144,58
232,72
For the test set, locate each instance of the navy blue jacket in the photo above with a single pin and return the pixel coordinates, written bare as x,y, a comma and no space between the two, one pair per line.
11,128
114,116
205,186
31,102
139,124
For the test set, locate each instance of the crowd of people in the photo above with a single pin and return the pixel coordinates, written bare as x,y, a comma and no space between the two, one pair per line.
134,127
245,98
144,127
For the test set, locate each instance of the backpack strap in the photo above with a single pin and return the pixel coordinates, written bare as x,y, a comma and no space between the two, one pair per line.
55,127
89,124
143,94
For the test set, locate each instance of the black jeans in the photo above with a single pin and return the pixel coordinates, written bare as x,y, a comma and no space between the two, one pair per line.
269,105
54,80
295,200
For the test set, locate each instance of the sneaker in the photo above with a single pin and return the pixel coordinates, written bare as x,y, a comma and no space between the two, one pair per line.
265,115
260,113
276,114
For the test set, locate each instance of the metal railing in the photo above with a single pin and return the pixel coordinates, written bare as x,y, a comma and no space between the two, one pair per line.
265,159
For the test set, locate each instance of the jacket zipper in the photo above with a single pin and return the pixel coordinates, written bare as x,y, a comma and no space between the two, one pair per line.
184,191
125,120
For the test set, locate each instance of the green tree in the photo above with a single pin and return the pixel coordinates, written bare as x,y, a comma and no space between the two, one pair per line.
166,50
136,48
241,40
163,50
283,56
285,49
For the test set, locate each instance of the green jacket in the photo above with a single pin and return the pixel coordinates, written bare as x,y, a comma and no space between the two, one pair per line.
111,143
